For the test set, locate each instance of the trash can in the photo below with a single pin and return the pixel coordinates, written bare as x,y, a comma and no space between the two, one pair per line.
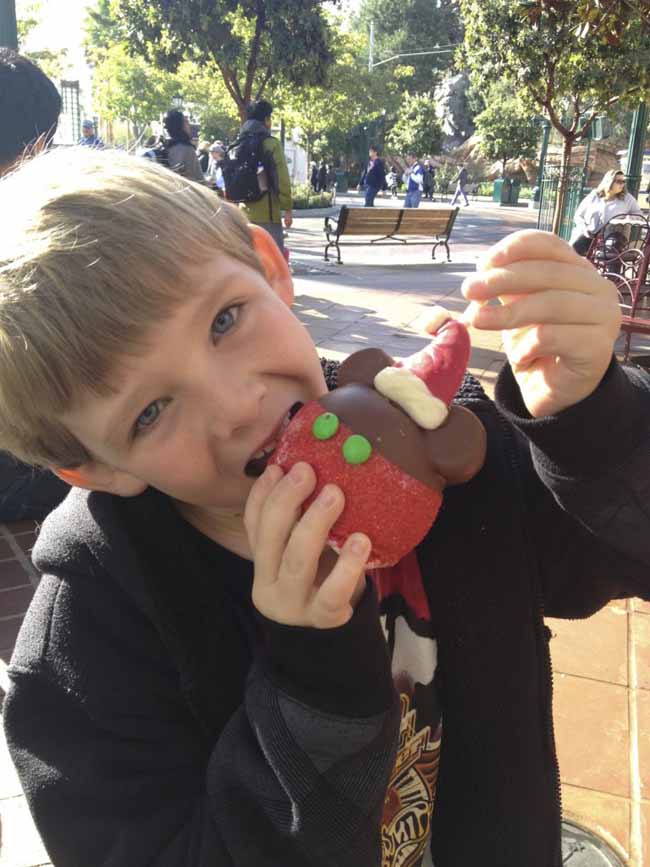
502,191
514,192
341,181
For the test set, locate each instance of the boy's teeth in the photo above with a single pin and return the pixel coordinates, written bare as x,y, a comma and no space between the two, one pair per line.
267,450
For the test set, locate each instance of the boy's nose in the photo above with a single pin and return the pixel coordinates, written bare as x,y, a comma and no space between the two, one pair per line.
233,406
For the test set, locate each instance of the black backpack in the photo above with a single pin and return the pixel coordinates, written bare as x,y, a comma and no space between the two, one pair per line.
242,164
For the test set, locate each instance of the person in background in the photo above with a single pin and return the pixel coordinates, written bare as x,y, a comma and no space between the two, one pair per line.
89,137
313,177
148,150
461,182
214,174
203,155
322,177
30,106
429,177
182,156
414,180
391,181
373,177
608,200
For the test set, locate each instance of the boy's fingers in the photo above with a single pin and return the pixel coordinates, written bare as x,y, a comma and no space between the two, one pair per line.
333,605
256,498
553,307
277,517
533,276
576,342
309,536
530,244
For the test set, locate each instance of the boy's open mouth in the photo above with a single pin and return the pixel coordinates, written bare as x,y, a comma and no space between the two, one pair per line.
257,464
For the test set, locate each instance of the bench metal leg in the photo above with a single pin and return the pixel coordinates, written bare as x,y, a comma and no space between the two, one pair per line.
440,244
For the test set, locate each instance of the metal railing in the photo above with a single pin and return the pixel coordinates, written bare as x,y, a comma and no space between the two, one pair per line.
574,195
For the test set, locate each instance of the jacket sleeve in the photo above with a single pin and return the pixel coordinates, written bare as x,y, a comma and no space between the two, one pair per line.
587,483
297,776
282,174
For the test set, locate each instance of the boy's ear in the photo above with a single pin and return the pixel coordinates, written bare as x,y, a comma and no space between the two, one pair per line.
95,476
274,264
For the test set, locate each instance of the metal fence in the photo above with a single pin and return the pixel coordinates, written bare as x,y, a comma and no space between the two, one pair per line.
573,197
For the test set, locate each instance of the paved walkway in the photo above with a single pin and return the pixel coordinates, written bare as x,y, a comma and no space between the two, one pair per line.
602,679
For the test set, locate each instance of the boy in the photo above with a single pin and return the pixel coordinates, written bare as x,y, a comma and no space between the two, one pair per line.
198,682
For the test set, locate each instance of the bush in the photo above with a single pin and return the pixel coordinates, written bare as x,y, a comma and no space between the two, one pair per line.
304,198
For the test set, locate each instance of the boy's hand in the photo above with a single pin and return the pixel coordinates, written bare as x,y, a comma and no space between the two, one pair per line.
559,317
298,581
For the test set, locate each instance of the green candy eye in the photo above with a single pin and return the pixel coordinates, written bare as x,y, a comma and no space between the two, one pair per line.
356,449
325,426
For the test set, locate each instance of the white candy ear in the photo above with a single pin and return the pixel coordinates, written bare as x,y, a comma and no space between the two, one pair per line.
424,384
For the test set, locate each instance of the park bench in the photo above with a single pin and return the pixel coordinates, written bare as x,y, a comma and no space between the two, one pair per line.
434,224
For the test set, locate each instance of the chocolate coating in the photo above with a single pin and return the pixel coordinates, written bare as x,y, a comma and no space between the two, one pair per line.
451,454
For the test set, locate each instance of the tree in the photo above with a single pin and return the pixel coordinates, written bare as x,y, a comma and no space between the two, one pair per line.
28,17
411,26
570,60
416,128
349,96
250,43
506,126
128,88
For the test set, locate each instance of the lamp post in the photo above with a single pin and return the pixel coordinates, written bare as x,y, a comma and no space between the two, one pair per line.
635,149
177,102
8,29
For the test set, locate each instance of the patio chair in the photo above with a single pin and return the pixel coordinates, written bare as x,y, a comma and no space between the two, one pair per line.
621,252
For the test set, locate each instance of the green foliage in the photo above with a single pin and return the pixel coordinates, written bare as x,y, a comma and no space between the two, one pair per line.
416,127
444,177
326,113
251,42
559,54
506,126
411,26
304,198
128,88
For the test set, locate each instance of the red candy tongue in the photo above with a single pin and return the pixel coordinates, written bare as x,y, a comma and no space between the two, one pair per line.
443,362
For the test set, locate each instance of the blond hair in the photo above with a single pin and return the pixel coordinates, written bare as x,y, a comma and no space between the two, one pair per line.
604,188
94,247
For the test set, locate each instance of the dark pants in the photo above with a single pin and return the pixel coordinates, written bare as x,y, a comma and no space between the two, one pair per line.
371,192
582,244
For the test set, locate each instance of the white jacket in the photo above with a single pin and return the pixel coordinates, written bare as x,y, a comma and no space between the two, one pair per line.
593,212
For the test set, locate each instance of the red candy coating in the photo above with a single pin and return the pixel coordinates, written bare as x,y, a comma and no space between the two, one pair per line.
392,508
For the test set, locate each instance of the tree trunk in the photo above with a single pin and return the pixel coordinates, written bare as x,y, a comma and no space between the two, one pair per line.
562,184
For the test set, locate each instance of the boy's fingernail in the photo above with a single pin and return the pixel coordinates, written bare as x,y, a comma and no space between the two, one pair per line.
359,545
327,496
296,474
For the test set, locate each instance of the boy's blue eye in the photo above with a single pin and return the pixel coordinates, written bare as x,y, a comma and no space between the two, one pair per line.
225,320
149,415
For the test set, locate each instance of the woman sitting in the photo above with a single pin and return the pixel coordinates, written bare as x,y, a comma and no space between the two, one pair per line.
608,200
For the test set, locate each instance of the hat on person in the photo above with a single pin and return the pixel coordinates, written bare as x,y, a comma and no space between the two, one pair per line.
217,146
88,124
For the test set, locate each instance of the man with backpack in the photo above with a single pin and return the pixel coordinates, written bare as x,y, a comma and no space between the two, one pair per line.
256,175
